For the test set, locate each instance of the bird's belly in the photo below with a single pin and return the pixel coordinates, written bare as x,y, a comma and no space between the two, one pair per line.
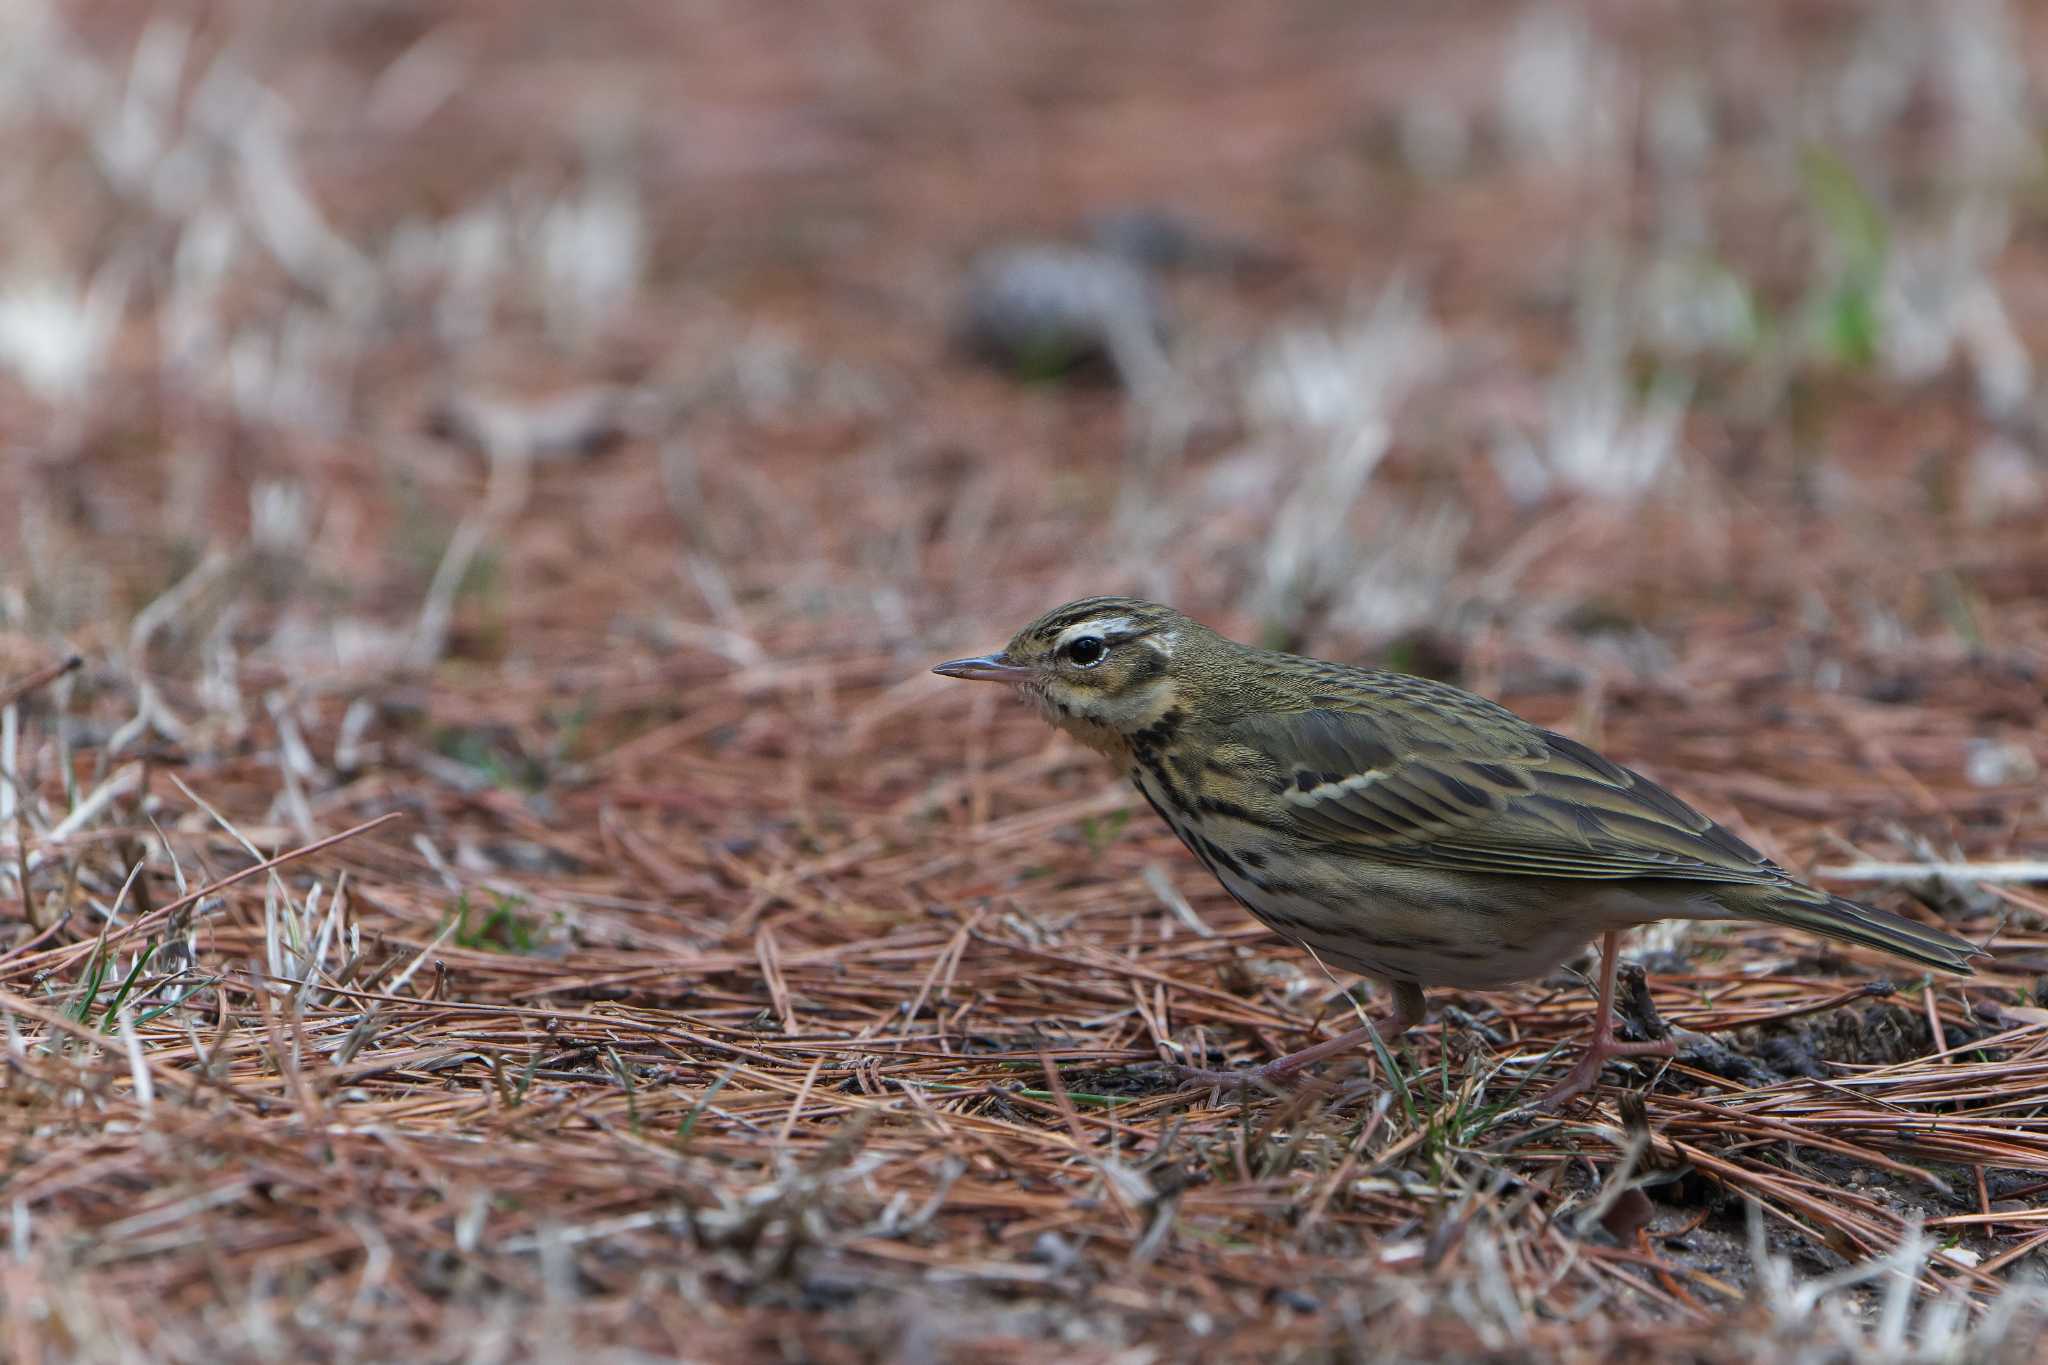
1431,927
1426,929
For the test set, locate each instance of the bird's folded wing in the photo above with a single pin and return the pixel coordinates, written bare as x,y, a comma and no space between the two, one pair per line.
1486,793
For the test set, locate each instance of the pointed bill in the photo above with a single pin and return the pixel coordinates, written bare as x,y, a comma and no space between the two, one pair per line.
987,667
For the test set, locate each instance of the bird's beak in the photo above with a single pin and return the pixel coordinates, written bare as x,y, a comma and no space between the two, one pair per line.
989,668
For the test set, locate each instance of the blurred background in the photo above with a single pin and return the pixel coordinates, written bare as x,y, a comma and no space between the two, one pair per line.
579,428
1513,338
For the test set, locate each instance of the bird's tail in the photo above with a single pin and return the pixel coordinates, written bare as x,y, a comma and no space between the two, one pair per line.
1852,922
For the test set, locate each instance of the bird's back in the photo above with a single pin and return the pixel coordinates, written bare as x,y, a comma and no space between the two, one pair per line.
1371,785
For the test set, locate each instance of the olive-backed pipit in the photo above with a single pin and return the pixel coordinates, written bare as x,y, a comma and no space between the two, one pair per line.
1401,827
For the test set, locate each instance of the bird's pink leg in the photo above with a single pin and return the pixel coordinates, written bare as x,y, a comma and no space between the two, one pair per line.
1604,1044
1408,1012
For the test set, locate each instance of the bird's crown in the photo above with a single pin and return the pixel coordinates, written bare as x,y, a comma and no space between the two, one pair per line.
1112,620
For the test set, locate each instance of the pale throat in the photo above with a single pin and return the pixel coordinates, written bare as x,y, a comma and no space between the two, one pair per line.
1102,723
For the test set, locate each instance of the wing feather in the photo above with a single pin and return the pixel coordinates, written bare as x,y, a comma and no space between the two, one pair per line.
1474,788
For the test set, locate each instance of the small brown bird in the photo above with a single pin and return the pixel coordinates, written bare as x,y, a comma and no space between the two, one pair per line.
1400,827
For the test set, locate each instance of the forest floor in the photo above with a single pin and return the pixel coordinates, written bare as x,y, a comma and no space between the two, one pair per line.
501,882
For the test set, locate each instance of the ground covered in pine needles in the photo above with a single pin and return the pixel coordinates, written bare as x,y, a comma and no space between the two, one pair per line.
498,882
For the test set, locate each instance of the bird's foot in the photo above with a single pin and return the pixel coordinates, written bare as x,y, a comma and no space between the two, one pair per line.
1272,1078
1604,1048
1283,1073
1286,1072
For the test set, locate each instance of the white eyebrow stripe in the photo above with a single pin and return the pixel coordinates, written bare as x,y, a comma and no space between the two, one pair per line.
1110,628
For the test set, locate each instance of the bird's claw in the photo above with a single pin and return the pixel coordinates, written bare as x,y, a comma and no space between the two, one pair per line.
1586,1071
1263,1078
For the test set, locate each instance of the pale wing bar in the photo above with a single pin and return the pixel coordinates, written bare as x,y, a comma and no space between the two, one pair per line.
1538,804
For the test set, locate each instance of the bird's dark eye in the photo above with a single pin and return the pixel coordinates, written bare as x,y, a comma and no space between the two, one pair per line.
1087,651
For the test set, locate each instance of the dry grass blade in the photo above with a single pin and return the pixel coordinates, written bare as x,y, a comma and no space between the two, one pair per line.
38,680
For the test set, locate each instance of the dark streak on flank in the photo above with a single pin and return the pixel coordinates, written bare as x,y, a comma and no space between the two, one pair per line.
1167,788
1217,857
1230,810
1160,732
1356,936
1191,840
1272,919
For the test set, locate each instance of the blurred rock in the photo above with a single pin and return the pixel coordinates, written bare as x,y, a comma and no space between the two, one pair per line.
1040,309
2002,479
1999,763
1154,237
1435,138
1165,239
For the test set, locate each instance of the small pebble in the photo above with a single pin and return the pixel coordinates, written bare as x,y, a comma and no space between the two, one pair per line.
1043,308
1999,763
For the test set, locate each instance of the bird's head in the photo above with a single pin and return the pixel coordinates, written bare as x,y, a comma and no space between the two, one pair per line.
1102,668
